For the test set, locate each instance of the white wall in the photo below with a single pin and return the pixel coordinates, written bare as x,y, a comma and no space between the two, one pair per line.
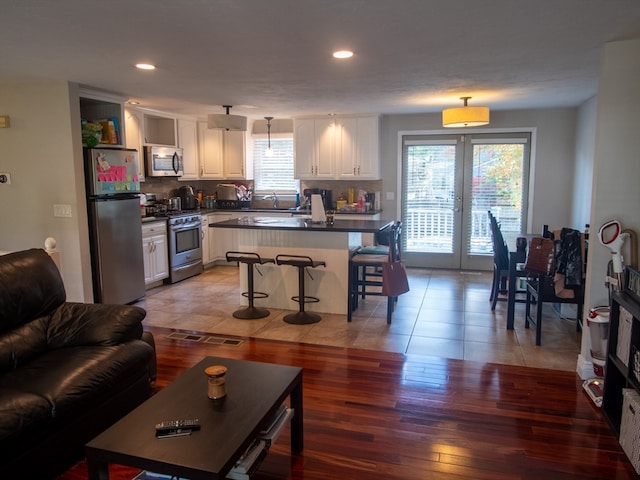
38,151
616,171
616,192
553,158
585,153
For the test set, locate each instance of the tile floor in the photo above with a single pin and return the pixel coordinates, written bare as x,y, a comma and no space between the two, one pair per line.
446,314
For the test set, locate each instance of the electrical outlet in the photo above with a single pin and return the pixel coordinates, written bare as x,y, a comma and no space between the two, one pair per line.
5,178
62,211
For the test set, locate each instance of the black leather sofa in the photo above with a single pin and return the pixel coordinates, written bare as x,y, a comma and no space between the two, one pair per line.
67,370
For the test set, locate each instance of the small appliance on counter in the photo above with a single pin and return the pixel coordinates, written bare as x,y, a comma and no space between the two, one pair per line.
227,191
188,198
174,204
326,196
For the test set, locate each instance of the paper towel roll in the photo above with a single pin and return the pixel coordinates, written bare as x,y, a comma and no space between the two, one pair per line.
317,208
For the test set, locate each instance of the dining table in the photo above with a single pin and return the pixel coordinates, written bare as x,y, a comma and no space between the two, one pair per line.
516,270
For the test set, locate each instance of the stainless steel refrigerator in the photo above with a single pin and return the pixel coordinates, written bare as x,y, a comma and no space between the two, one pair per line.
115,234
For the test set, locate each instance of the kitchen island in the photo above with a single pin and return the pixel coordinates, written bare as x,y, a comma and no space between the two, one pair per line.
272,236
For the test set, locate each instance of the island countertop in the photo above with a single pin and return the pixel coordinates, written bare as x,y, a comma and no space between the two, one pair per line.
301,224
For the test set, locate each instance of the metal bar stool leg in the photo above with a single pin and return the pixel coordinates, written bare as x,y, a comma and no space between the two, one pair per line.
251,312
301,317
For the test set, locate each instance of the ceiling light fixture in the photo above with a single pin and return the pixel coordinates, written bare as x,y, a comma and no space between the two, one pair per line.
465,116
226,121
343,54
145,66
269,151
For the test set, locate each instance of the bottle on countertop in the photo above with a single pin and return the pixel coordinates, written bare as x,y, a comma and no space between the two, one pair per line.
341,203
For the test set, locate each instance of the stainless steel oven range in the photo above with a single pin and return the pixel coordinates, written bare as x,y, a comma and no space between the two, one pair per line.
185,245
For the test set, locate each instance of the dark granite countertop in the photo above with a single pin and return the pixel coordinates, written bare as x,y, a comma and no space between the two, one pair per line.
292,211
301,224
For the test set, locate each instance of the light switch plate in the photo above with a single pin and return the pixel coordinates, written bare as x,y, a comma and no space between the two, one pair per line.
62,211
391,196
5,178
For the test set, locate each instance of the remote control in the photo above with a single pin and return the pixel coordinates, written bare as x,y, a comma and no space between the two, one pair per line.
182,424
176,432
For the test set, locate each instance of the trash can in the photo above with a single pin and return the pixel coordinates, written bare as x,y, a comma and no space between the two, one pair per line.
598,323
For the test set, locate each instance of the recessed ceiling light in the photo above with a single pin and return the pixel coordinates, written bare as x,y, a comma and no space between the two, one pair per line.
145,66
133,102
343,54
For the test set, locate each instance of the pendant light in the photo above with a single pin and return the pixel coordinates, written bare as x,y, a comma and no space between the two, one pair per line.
465,116
227,121
269,151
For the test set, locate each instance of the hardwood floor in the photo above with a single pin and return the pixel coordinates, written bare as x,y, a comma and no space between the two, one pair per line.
374,415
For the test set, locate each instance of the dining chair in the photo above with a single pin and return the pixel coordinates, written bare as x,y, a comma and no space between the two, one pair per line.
546,289
365,277
499,284
500,263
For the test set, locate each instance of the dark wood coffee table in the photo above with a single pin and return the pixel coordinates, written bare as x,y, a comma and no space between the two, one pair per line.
255,391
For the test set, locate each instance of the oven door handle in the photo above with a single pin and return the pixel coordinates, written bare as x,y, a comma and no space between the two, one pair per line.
184,227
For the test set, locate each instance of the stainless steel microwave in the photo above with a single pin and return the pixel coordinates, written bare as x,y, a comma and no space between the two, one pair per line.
163,161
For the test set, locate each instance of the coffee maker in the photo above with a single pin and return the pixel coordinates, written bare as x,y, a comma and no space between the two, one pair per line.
327,200
188,198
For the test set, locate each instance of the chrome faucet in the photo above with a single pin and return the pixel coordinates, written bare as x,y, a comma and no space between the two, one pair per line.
273,197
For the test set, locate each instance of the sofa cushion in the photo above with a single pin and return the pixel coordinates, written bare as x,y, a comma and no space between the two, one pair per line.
31,287
22,415
76,324
77,378
23,343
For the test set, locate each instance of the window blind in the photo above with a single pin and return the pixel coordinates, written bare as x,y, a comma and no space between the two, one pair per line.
274,173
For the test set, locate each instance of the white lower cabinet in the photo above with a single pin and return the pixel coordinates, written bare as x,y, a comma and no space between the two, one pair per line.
221,240
155,253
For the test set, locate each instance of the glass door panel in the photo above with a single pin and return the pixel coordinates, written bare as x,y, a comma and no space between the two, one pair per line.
449,184
432,202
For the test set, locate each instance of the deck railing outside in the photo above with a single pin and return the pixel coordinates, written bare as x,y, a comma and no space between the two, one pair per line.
431,229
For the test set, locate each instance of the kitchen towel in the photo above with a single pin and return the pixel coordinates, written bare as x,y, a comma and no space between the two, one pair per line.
317,208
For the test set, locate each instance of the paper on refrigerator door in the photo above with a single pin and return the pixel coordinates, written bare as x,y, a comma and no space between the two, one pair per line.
317,208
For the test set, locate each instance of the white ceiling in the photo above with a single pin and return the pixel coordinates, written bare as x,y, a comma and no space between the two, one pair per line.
273,57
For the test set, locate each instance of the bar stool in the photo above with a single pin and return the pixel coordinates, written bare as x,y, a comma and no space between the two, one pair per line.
302,263
250,258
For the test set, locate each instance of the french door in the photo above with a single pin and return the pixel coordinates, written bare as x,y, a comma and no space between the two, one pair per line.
449,182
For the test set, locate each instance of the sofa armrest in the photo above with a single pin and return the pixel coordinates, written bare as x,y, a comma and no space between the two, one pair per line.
74,324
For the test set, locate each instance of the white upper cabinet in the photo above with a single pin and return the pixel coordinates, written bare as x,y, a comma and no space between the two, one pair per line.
360,148
222,154
188,141
159,130
133,124
339,148
314,143
98,107
210,152
234,155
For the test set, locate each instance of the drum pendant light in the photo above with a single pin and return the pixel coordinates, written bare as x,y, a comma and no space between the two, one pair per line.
269,151
465,116
227,121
